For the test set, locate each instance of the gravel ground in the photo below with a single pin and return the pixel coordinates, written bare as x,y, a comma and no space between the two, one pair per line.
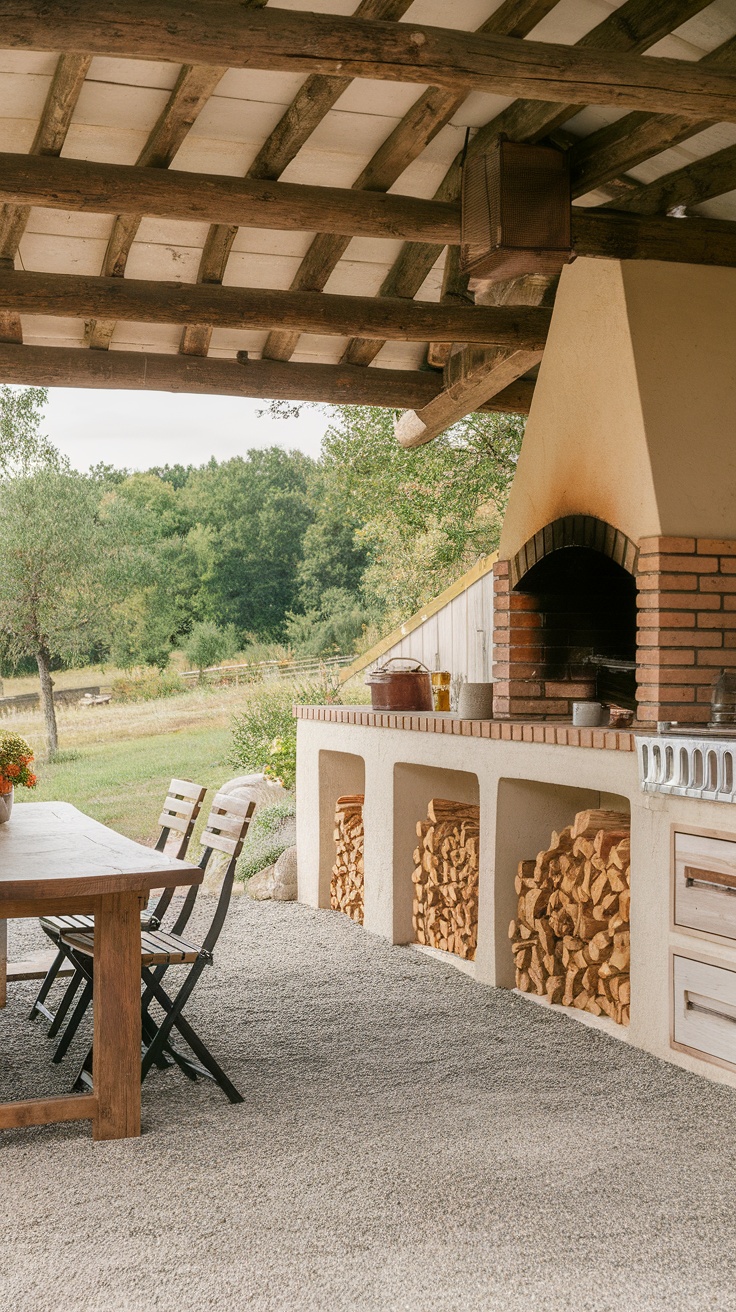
409,1140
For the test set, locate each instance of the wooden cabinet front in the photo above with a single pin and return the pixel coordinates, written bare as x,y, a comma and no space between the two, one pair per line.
705,884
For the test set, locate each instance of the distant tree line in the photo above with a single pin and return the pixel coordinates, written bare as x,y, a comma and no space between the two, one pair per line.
268,547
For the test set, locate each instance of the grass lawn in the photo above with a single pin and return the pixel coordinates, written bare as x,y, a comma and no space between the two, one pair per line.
123,782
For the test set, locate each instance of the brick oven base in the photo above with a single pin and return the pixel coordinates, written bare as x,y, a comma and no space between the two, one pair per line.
526,789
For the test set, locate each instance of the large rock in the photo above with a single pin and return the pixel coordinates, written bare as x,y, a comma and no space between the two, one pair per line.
255,788
277,881
285,877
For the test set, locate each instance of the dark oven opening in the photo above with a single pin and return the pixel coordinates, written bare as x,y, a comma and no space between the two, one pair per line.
587,605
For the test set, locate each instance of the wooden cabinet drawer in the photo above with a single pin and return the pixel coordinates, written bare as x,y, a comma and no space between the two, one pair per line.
705,1008
705,884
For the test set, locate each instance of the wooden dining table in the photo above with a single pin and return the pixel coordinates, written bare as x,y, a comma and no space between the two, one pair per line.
54,860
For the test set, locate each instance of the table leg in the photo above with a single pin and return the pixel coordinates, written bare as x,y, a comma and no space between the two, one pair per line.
116,1074
3,962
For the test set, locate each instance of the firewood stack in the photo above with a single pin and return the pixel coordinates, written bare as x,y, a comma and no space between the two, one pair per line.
570,938
346,884
446,877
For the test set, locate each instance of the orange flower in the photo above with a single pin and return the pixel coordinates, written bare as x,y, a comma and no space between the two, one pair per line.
31,781
5,787
12,770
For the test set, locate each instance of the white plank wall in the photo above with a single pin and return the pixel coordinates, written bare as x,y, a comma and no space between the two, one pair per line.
458,638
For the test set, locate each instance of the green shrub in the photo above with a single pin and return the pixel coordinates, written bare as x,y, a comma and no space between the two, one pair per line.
264,734
269,835
147,686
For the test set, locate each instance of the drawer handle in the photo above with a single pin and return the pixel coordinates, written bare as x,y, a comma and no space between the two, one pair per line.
726,883
701,1006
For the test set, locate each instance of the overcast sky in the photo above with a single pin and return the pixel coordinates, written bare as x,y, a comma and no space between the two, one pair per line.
134,430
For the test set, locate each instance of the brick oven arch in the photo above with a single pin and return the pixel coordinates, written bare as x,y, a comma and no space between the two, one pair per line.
574,531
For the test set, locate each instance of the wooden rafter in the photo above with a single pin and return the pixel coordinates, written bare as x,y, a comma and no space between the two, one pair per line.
312,102
426,117
224,33
634,27
192,90
55,366
482,377
53,126
601,158
704,178
122,189
149,301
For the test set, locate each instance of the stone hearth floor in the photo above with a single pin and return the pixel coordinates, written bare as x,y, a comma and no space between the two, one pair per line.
409,1140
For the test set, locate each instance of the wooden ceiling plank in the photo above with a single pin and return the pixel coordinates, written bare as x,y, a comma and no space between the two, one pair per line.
149,301
53,126
600,159
55,366
430,113
89,187
192,90
310,105
225,33
634,27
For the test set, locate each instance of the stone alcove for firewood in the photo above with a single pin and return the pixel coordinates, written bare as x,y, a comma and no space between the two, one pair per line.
340,773
415,788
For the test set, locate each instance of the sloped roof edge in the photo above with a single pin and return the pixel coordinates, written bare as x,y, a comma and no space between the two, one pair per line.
482,566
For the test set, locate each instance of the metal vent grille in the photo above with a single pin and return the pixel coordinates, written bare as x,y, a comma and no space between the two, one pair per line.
516,210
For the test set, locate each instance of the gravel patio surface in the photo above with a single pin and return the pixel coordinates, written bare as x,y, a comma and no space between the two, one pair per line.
409,1140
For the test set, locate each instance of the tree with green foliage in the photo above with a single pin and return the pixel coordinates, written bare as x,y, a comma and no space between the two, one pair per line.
208,645
70,554
423,515
249,518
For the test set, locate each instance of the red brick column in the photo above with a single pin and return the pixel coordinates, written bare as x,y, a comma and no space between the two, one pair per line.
686,632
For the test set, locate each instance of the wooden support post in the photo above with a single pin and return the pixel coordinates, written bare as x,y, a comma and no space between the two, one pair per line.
116,1075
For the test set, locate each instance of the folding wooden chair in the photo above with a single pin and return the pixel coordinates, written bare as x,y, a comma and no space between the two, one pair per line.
227,826
177,820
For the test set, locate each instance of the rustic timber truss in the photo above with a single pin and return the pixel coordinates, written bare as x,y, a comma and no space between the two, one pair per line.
231,197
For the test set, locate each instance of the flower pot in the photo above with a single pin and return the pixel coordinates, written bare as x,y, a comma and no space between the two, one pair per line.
6,806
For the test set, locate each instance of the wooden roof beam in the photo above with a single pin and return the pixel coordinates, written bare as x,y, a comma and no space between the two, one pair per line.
421,123
224,33
633,27
600,159
84,186
148,301
55,366
480,375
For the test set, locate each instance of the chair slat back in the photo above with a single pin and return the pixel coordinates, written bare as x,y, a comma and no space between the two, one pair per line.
180,811
227,825
181,808
225,808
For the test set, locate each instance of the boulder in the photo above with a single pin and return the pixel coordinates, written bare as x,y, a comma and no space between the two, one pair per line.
255,788
261,886
284,873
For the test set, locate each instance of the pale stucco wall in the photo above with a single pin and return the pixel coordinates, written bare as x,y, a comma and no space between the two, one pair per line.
521,799
634,413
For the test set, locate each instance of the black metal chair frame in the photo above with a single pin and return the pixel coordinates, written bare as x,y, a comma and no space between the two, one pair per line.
157,1047
55,926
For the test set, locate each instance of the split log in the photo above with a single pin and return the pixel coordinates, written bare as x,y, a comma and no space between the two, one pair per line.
570,937
445,877
346,883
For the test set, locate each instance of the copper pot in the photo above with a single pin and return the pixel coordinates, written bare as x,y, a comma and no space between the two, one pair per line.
401,690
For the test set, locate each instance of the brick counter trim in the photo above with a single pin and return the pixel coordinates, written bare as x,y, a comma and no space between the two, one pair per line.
558,735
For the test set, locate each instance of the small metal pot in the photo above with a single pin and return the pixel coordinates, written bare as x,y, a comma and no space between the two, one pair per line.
401,690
